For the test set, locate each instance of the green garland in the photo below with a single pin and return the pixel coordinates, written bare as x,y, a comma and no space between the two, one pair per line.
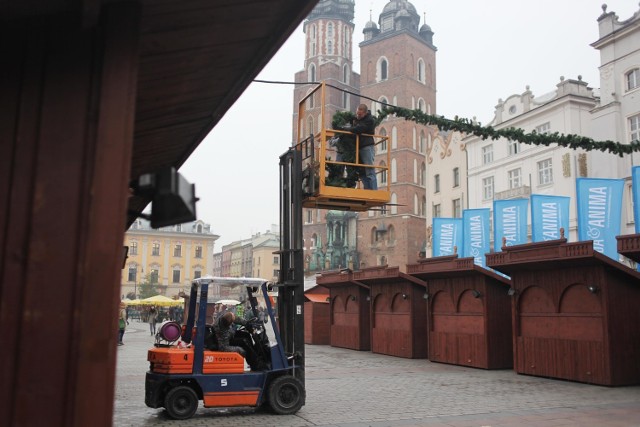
468,127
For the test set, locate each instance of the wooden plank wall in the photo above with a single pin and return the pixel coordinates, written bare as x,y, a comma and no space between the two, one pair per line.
350,318
66,125
399,325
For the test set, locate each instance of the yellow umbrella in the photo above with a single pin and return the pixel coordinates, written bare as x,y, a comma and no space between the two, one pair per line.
133,302
159,300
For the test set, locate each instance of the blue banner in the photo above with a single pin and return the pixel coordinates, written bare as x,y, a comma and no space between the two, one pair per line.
600,212
548,215
635,182
476,237
509,222
447,234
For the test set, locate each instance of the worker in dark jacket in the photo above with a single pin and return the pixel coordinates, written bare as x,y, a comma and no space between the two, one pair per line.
364,125
236,341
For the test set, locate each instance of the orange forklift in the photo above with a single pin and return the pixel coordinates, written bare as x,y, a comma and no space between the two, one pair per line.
184,366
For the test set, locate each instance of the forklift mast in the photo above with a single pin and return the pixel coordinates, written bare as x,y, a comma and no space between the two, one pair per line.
291,276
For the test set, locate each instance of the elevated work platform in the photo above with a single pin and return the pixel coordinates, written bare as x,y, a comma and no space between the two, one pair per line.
331,163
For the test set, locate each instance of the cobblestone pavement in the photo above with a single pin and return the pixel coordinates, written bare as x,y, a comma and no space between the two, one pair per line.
349,388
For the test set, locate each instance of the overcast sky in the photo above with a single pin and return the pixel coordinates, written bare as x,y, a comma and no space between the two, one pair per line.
487,50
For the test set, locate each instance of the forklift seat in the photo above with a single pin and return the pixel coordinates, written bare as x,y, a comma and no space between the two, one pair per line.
210,338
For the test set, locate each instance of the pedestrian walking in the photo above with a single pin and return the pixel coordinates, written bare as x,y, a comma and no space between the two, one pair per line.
122,322
153,318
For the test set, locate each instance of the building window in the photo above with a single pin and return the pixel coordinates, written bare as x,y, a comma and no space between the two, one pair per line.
423,142
133,272
457,208
197,274
391,234
437,211
423,174
276,260
383,173
179,228
153,276
382,147
198,251
515,178
421,105
633,79
199,228
309,216
514,147
312,73
176,276
387,24
487,188
423,206
177,251
133,248
487,154
383,69
543,128
330,29
276,273
545,172
155,249
329,47
436,183
456,177
634,128
421,70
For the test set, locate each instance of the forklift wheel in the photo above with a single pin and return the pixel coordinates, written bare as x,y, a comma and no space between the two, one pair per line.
181,402
286,395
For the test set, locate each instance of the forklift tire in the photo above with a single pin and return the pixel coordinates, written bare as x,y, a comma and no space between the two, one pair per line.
286,395
181,402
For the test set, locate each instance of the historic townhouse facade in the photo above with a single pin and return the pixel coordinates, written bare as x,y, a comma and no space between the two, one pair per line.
503,169
170,256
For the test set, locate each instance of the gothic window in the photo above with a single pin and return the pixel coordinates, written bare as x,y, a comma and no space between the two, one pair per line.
329,47
312,72
383,173
382,147
330,29
383,71
421,70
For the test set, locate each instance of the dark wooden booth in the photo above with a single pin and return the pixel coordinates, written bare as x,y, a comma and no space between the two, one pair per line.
350,316
469,310
575,312
398,312
629,246
316,316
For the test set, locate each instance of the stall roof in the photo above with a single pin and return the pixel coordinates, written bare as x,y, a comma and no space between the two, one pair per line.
196,58
451,266
553,254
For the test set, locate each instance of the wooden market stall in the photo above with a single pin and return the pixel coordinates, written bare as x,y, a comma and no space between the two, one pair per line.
575,312
398,312
317,329
350,317
629,246
469,312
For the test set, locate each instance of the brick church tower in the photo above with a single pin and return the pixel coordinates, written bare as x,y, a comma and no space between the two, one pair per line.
397,66
397,63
